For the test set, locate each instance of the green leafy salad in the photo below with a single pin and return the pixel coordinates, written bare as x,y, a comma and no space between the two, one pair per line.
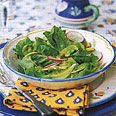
57,55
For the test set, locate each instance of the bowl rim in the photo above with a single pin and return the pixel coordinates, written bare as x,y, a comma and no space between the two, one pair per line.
57,80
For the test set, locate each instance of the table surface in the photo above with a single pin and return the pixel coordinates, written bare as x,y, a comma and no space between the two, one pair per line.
35,14
38,14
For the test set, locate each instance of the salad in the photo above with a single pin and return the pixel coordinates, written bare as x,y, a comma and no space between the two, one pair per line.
57,55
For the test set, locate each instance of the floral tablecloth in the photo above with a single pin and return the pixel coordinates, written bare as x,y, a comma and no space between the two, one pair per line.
35,14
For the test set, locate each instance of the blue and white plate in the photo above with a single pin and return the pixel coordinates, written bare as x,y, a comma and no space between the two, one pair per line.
107,90
104,92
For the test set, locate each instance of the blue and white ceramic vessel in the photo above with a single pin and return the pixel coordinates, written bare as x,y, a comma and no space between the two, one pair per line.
76,12
96,40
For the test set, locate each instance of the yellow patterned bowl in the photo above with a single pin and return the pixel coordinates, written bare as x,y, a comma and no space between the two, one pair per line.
100,43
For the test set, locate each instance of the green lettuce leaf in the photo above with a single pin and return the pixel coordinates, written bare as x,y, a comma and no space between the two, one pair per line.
23,47
57,38
42,47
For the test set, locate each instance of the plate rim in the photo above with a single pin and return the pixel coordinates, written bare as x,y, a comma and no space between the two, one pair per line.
103,101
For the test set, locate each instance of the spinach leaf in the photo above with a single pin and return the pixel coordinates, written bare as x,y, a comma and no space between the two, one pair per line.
23,47
42,47
80,70
68,50
27,49
66,64
30,71
62,74
41,60
57,38
85,57
27,62
80,46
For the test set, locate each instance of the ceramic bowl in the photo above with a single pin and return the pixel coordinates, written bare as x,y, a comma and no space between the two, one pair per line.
100,43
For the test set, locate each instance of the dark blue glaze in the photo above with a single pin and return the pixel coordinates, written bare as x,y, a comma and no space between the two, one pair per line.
80,4
2,45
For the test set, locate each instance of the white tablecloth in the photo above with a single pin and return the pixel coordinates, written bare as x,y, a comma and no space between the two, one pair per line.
36,14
